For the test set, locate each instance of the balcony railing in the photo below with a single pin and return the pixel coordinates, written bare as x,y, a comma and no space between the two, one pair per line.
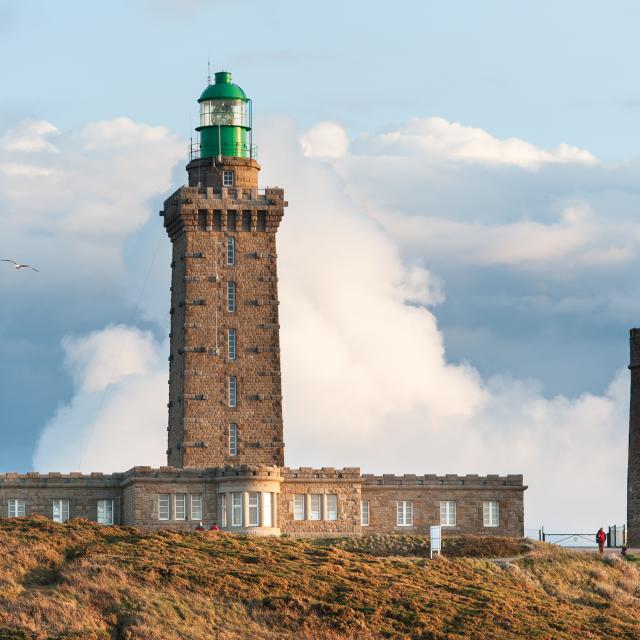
233,150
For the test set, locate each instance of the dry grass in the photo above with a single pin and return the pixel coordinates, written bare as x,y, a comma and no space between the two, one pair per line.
80,580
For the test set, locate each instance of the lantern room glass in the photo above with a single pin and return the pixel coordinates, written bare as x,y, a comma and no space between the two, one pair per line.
232,113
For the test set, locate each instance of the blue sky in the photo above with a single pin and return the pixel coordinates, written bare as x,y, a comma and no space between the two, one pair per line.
522,256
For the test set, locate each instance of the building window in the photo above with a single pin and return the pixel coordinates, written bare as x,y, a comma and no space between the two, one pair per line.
180,506
254,509
164,510
196,507
233,391
231,296
266,510
202,220
364,513
223,508
447,513
231,220
246,220
299,507
236,509
105,511
16,508
60,510
262,221
231,251
227,178
217,220
233,439
315,507
491,513
232,344
332,507
404,513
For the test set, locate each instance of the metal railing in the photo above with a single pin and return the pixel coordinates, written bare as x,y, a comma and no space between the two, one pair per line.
616,538
234,150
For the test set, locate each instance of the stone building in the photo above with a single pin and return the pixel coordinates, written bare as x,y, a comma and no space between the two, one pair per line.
225,431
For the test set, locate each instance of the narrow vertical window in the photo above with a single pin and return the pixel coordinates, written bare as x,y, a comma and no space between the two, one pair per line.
254,509
217,220
105,512
196,507
60,510
448,513
491,513
298,506
16,508
267,520
262,221
227,178
316,507
231,344
231,251
332,507
202,220
231,296
404,513
223,508
246,220
233,391
233,439
163,506
180,506
236,509
364,513
231,220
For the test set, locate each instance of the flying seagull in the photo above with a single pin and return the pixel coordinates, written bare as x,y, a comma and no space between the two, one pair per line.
19,266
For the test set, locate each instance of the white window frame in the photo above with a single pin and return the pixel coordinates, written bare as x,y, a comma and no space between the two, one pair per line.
16,508
164,506
232,344
254,509
195,506
179,506
299,506
448,513
231,297
404,513
491,513
61,510
315,506
228,178
231,251
232,391
267,516
236,509
332,507
104,512
223,507
233,439
364,513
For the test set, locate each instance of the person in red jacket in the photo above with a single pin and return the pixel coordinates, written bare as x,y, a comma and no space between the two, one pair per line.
601,538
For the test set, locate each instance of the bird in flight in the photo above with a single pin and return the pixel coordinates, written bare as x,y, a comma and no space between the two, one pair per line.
18,265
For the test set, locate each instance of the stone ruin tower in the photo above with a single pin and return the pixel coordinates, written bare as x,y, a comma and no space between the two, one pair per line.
225,399
633,469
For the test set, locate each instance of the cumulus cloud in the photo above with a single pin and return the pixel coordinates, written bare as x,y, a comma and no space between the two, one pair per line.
30,136
326,139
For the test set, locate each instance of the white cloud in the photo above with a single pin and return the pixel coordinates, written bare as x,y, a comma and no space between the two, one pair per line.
438,138
326,139
30,136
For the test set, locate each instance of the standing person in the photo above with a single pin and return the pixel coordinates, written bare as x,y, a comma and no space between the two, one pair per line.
601,538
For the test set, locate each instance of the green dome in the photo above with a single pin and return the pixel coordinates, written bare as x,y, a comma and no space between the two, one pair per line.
223,88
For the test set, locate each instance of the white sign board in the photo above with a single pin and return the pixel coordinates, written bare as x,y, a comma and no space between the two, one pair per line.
435,540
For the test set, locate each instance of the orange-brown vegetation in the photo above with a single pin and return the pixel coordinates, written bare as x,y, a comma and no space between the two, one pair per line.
80,580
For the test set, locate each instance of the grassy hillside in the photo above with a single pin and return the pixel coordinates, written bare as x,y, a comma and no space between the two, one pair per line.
80,580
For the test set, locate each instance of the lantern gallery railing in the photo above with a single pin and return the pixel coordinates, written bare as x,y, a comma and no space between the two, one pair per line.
231,149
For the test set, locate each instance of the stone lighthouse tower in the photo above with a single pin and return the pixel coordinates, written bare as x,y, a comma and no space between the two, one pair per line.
225,402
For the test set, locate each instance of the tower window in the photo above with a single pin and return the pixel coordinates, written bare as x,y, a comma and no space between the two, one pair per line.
448,513
491,514
217,220
231,344
231,220
246,220
105,512
231,296
60,510
262,220
267,520
202,220
236,509
233,439
254,509
233,391
227,178
16,508
231,251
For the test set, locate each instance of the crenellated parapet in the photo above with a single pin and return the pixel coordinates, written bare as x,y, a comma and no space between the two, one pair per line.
433,480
